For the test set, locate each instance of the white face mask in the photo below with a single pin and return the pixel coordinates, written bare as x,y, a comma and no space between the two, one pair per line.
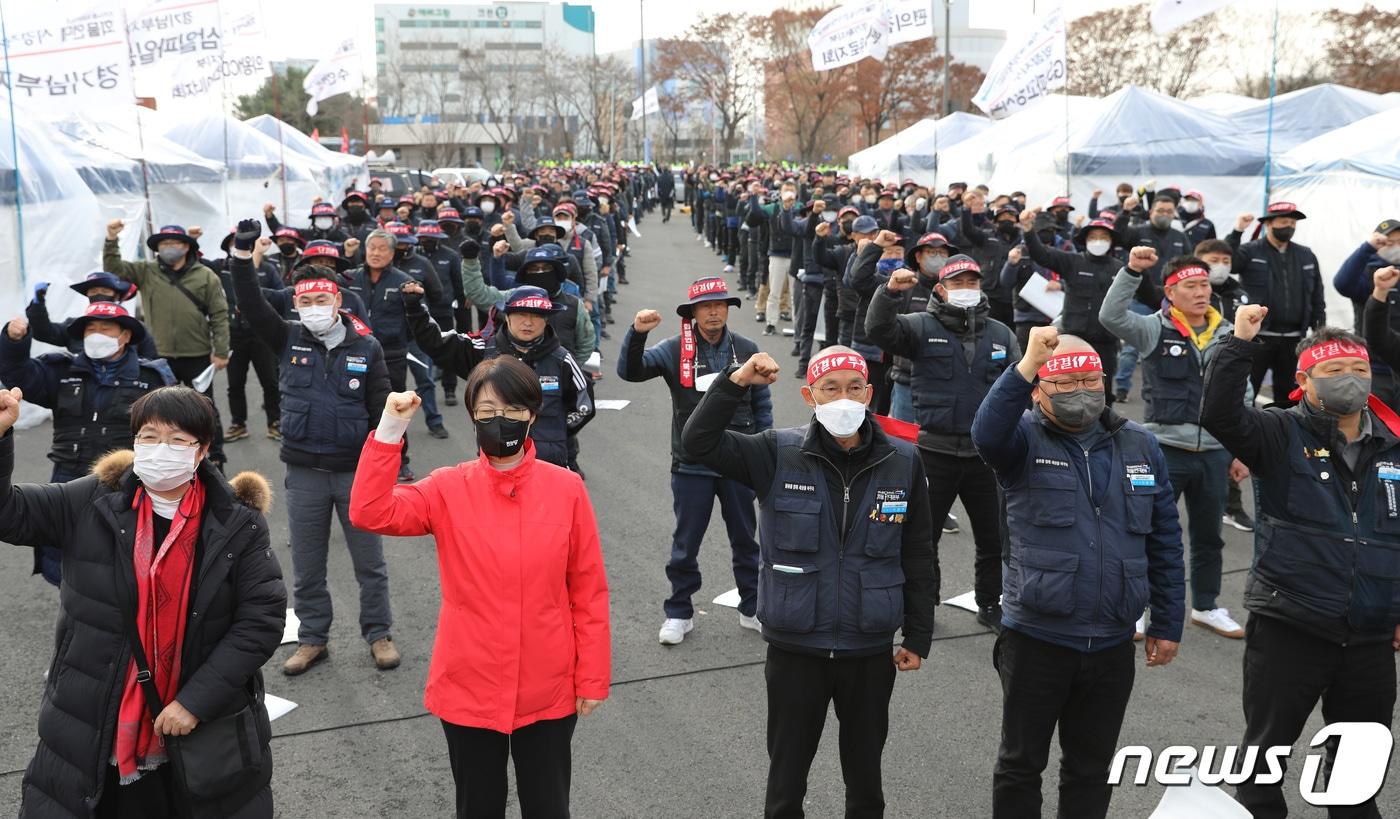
487,207
318,318
965,298
1390,254
920,203
99,347
1219,273
564,224
603,200
841,417
788,196
323,222
1191,206
1098,247
163,467
857,199
828,216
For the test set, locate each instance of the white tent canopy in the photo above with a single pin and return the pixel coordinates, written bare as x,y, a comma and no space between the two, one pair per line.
913,152
340,170
1306,113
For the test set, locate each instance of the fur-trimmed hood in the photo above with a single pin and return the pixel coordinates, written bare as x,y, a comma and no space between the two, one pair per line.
248,488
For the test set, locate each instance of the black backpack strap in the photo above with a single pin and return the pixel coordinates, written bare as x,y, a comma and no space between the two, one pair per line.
204,310
138,653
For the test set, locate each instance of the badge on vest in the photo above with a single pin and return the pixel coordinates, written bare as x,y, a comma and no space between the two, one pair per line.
891,505
1141,475
1176,350
549,383
356,364
805,488
1388,471
353,383
998,352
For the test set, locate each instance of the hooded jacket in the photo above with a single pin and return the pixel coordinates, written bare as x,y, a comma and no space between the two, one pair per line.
236,611
523,627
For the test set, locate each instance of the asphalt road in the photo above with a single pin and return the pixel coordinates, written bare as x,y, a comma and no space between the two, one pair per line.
682,734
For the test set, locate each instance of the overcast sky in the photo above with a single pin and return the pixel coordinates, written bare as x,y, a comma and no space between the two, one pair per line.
618,26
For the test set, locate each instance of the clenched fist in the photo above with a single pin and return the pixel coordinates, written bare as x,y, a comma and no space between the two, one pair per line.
1383,280
901,280
351,247
17,329
759,369
114,228
500,248
507,218
1141,259
9,408
887,238
1040,346
1248,319
824,229
1243,221
1014,255
646,321
402,404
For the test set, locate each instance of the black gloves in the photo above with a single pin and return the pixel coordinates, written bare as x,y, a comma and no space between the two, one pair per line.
247,234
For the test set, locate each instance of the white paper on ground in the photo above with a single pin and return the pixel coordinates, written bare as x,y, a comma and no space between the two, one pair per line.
729,598
611,403
788,331
203,380
1051,303
277,707
289,631
966,601
1197,801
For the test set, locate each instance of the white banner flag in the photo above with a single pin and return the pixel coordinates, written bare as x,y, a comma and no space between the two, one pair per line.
1029,66
65,60
1169,15
647,104
849,34
337,74
909,20
185,51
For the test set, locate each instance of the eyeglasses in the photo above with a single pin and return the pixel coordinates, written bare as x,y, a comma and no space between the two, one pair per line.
514,413
831,392
1093,381
179,440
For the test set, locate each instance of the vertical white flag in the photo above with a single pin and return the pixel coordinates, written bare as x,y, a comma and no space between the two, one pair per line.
188,50
1169,15
337,74
909,20
1029,66
849,34
647,104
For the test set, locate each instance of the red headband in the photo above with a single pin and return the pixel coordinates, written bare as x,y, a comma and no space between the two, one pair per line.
960,266
1082,362
706,287
317,286
1319,353
831,362
1192,272
532,303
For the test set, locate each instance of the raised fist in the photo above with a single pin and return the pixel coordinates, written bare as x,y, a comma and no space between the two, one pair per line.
269,209
114,228
1383,280
507,218
402,404
9,408
1040,346
1141,259
469,248
646,321
759,369
887,238
1243,221
824,229
901,280
1248,319
351,247
17,329
500,248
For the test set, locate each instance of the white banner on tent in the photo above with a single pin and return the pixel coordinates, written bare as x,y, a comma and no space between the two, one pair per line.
185,51
849,34
1029,66
337,74
62,61
908,20
647,104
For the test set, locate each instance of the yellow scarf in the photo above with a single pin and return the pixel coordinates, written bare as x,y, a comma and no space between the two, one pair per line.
1212,321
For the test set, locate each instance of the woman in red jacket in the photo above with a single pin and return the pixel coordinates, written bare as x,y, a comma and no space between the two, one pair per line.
522,571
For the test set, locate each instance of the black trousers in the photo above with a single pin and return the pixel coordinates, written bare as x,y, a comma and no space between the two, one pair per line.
1108,352
823,294
1286,671
542,758
1023,331
800,687
152,796
1085,694
880,380
1281,358
847,300
243,351
186,370
950,478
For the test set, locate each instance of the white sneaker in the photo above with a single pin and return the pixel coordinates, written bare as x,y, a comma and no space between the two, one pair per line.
729,268
1218,621
1140,630
673,631
750,623
707,243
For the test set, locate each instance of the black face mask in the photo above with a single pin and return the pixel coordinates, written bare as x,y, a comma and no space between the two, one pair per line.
1062,218
1046,236
451,229
501,437
402,253
101,297
1007,230
846,227
289,250
355,215
428,245
472,227
1282,234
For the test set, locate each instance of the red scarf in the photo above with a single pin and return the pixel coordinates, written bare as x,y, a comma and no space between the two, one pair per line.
162,605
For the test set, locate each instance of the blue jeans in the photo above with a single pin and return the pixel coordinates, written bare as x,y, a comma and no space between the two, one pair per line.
693,498
311,496
902,403
1128,357
1202,477
425,386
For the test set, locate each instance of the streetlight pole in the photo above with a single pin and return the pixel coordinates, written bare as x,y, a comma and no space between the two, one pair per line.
947,51
642,71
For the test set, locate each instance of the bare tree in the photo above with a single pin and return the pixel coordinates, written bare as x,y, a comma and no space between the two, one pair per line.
503,89
1115,47
604,99
714,61
1365,52
560,95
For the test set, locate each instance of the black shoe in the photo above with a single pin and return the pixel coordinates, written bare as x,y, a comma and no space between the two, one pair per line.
950,525
450,398
1239,519
405,475
760,318
438,431
605,335
785,316
769,330
796,351
610,319
622,280
1120,396
990,616
800,371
